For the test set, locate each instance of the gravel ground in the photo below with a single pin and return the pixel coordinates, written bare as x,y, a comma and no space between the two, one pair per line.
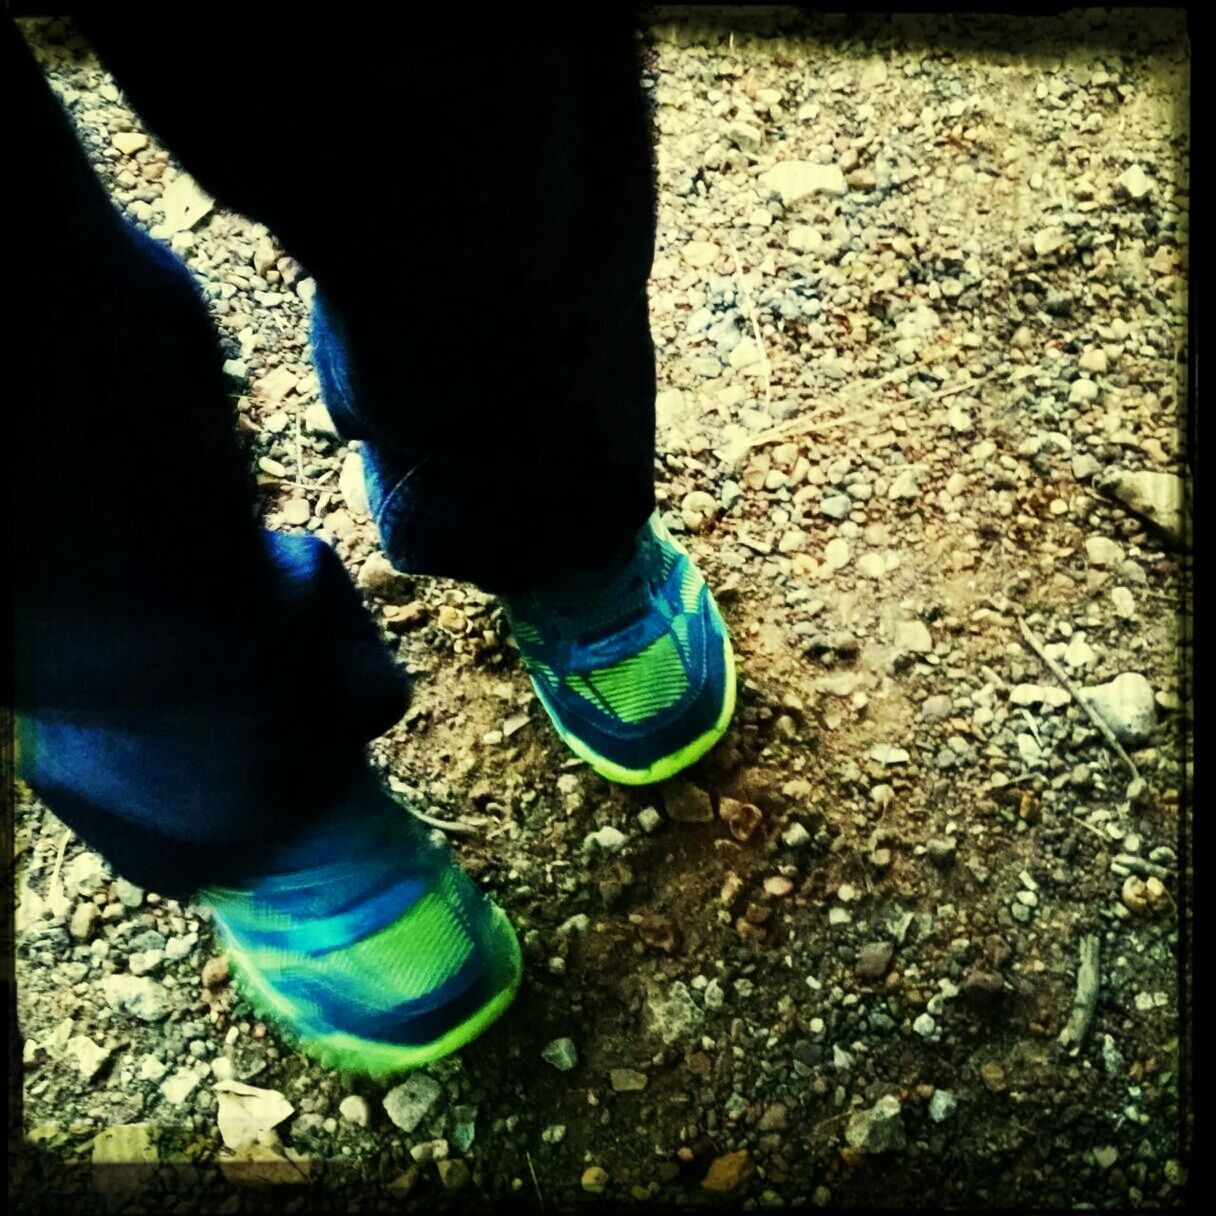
911,935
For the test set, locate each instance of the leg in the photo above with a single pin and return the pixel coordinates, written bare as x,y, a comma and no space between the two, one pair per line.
509,403
508,406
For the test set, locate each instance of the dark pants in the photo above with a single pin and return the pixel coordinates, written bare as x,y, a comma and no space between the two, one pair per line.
477,210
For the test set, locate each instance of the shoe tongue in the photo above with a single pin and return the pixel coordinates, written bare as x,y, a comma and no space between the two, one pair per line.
605,599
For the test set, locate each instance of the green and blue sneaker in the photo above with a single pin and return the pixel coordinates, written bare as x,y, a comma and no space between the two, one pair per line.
634,664
367,944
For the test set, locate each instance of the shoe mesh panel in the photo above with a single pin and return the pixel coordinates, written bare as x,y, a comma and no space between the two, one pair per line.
690,588
402,962
641,686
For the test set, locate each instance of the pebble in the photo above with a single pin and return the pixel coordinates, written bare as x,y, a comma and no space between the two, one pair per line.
1127,705
795,179
354,1109
803,238
296,512
561,1053
903,486
913,636
872,565
925,1026
408,1103
595,1180
837,506
84,916
1124,603
352,486
88,1055
129,142
84,875
215,971
1082,391
627,1080
650,820
318,421
873,959
795,836
1135,182
139,996
129,895
700,254
879,1129
942,1105
942,851
608,838
1100,551
728,1173
179,1086
152,1069
836,553
887,753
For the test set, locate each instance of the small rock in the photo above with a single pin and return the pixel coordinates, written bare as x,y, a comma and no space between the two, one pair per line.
129,895
352,486
1124,603
872,565
84,916
561,1053
408,1104
913,636
942,1105
649,820
887,753
595,1180
805,239
215,971
84,875
879,1129
1048,240
836,506
354,1109
138,996
700,254
795,836
1135,182
1127,705
728,1173
925,1026
873,959
1106,1157
1101,551
1082,391
129,142
608,838
179,1086
89,1056
942,851
627,1080
318,421
836,553
793,179
453,1175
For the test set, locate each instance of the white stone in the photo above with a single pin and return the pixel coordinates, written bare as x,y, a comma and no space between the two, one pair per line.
805,239
795,179
1127,705
1135,182
913,636
179,1086
1101,551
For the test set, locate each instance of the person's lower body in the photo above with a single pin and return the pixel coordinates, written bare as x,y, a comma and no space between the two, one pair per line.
194,695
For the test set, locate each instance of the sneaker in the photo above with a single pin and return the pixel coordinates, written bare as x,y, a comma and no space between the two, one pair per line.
368,945
634,666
